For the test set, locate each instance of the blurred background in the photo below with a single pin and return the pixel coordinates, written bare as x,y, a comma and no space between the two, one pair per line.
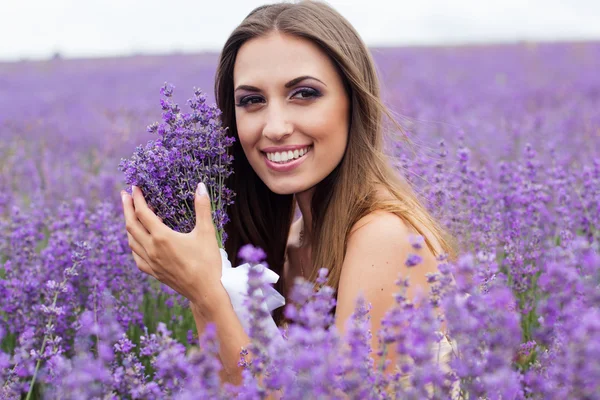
80,80
37,29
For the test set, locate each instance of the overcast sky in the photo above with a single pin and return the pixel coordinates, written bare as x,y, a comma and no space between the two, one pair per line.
84,28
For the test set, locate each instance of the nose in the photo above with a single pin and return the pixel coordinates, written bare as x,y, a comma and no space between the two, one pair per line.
276,126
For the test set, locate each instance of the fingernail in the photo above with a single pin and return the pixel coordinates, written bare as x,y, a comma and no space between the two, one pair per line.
201,189
132,189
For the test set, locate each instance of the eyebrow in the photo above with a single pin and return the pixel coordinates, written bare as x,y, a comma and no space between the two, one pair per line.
287,85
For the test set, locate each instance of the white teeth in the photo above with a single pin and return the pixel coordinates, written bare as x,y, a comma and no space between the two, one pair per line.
287,155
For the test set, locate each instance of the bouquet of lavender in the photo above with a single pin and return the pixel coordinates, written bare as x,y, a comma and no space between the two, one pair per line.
190,148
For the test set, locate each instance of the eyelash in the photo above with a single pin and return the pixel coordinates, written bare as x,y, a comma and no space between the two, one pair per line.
244,101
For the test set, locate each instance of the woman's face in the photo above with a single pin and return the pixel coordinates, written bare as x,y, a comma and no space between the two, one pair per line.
292,111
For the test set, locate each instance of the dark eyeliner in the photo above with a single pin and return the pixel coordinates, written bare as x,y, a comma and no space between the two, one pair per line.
314,92
244,101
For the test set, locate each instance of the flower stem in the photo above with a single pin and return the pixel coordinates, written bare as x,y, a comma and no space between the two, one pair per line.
39,362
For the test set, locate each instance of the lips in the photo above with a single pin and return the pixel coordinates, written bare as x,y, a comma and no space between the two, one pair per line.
288,165
282,157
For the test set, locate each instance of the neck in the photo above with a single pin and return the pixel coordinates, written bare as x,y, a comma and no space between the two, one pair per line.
304,200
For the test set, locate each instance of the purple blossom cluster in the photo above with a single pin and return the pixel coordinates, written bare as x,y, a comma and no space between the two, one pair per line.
190,148
567,327
513,172
54,267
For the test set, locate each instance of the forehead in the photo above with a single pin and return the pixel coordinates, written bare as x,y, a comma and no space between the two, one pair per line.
277,58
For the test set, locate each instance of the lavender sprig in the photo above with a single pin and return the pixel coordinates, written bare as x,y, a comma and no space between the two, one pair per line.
190,148
260,341
78,256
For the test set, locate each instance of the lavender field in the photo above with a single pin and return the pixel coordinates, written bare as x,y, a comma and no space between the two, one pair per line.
504,148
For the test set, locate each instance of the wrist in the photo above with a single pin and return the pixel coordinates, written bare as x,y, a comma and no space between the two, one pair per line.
208,304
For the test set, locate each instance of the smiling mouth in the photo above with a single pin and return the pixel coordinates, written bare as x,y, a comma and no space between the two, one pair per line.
276,159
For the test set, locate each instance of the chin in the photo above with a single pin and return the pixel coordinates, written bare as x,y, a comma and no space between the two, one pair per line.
283,188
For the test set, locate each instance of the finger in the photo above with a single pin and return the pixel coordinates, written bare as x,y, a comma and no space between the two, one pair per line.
203,209
133,225
139,255
150,221
142,264
137,248
154,211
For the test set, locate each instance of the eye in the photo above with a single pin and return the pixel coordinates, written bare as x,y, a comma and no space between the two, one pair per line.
247,100
307,93
311,93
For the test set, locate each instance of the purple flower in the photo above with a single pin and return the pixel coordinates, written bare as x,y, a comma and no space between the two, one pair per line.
358,377
190,148
413,260
416,241
521,304
251,254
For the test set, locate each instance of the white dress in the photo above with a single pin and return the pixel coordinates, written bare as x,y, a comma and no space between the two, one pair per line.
235,282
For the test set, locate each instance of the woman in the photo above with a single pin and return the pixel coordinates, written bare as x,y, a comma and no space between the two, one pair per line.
299,91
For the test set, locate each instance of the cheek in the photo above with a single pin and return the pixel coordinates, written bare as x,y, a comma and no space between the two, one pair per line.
332,121
334,131
244,140
246,135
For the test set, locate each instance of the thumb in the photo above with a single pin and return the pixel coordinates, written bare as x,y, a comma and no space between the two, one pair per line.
203,208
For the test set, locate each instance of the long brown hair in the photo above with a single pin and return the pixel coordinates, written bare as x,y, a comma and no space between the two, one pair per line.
263,218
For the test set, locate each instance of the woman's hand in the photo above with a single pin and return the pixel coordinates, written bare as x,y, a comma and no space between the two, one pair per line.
190,263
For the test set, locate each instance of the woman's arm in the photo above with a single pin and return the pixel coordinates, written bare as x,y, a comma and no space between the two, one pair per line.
230,333
377,249
231,337
191,264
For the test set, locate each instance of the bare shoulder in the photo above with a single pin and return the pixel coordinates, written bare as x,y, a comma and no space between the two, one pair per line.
387,223
380,223
377,250
380,236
